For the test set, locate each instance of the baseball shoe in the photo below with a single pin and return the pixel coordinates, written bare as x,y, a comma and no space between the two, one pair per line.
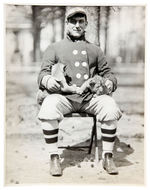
55,168
109,165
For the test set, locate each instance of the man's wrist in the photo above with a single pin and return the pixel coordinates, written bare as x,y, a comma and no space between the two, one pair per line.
45,80
108,80
109,83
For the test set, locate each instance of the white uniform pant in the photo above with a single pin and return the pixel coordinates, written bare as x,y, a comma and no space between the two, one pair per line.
55,106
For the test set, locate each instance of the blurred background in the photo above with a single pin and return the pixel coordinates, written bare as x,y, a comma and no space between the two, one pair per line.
120,31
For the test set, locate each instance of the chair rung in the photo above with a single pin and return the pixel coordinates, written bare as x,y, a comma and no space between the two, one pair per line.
78,115
73,147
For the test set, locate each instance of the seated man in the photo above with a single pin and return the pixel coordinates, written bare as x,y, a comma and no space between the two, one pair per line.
82,61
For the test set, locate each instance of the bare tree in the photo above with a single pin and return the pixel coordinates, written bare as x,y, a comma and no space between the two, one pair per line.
93,25
36,32
41,16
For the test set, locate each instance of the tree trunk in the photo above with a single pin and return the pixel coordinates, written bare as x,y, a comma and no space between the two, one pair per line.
93,14
36,34
104,23
63,26
106,28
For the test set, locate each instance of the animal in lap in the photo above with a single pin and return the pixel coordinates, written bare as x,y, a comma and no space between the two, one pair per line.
95,84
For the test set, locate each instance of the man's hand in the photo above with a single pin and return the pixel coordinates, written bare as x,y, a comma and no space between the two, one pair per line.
109,86
50,83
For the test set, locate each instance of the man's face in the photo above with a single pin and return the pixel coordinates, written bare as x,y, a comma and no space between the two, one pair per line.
76,26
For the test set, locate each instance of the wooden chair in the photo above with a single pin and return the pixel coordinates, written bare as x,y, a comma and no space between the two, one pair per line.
93,135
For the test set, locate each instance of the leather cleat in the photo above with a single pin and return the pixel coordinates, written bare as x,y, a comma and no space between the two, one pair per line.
55,168
109,165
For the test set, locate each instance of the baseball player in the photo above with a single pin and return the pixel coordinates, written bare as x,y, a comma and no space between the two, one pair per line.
82,60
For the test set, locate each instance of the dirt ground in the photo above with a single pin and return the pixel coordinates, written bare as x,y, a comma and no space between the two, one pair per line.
27,160
26,156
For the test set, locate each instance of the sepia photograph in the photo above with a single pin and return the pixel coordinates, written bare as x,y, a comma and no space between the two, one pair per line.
75,94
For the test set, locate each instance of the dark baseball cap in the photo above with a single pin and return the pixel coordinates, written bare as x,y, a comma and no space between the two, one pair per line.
76,10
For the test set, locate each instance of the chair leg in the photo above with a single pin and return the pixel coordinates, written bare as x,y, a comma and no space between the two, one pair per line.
96,146
92,137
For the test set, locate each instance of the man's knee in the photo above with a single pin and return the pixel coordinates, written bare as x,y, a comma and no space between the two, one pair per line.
50,108
109,110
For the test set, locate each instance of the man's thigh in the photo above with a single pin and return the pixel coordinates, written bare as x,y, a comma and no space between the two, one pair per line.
55,106
104,107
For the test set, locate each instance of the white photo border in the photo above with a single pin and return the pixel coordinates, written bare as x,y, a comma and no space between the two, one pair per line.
147,85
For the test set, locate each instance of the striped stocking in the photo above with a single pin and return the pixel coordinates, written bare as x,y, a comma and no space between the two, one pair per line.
108,130
50,131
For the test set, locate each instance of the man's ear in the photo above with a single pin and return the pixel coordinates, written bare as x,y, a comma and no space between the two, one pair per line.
86,24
